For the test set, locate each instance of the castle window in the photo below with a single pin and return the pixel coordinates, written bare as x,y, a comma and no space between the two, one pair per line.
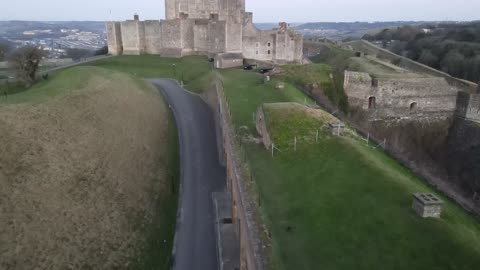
269,44
413,106
372,102
269,52
256,52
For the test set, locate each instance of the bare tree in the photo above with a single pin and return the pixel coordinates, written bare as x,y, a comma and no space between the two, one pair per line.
25,61
3,51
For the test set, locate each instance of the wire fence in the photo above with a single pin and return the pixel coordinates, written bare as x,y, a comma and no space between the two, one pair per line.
336,129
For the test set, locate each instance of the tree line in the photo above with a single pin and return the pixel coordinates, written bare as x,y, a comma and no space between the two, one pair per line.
451,47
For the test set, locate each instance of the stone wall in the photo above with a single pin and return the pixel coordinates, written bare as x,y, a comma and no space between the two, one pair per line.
257,44
468,106
444,151
114,38
207,27
464,157
473,112
153,37
357,86
228,10
280,45
409,64
172,38
228,60
245,212
216,41
400,98
201,36
234,41
133,37
188,37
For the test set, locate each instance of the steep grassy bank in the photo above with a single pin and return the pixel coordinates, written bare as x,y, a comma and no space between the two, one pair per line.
338,204
432,147
319,81
87,178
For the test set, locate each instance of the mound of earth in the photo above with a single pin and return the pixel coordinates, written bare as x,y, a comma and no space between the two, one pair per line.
281,123
80,171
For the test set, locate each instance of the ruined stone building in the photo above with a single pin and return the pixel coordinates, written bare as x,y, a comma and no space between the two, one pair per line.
218,28
389,98
405,90
388,92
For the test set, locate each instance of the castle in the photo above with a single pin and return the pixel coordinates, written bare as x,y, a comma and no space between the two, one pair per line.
406,90
400,97
410,97
220,29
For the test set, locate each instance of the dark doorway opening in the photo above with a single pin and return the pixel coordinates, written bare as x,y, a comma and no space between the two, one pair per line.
372,102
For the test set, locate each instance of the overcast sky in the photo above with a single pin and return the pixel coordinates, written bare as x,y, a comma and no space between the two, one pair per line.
264,10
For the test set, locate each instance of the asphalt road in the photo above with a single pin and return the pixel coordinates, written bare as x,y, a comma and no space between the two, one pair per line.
202,174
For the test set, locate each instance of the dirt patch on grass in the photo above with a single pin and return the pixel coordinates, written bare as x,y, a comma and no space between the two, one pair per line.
80,174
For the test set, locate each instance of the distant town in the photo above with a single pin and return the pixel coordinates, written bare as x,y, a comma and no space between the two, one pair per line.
57,37
54,37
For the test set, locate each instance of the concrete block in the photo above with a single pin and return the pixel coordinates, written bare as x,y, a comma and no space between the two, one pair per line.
427,205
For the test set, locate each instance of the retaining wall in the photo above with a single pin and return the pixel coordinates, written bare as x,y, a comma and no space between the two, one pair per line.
400,98
411,65
245,212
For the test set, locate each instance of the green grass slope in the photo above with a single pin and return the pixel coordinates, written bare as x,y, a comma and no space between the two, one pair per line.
83,120
64,82
318,80
332,55
339,204
246,91
194,71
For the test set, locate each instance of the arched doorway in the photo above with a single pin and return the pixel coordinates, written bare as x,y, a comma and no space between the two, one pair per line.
372,102
413,106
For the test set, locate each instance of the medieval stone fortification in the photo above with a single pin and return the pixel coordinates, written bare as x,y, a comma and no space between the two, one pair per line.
400,97
409,97
408,90
429,120
218,28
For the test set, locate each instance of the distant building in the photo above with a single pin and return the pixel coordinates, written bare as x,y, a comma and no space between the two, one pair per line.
220,29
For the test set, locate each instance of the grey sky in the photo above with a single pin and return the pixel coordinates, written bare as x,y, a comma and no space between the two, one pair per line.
264,10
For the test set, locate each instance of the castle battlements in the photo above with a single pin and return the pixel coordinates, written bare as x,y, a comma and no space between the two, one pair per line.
220,29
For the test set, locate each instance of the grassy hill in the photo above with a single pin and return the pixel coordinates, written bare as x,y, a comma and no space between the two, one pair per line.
88,174
193,71
338,203
332,204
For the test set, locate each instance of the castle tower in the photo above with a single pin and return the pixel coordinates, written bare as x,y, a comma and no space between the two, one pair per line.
205,9
218,28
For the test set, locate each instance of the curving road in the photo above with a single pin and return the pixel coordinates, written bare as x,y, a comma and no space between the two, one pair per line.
202,174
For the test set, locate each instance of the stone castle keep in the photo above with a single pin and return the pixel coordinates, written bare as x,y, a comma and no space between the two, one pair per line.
220,29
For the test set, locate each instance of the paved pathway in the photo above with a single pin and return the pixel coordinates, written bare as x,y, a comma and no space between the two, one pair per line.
195,244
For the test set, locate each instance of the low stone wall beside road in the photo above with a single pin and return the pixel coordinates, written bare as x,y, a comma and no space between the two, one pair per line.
244,211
